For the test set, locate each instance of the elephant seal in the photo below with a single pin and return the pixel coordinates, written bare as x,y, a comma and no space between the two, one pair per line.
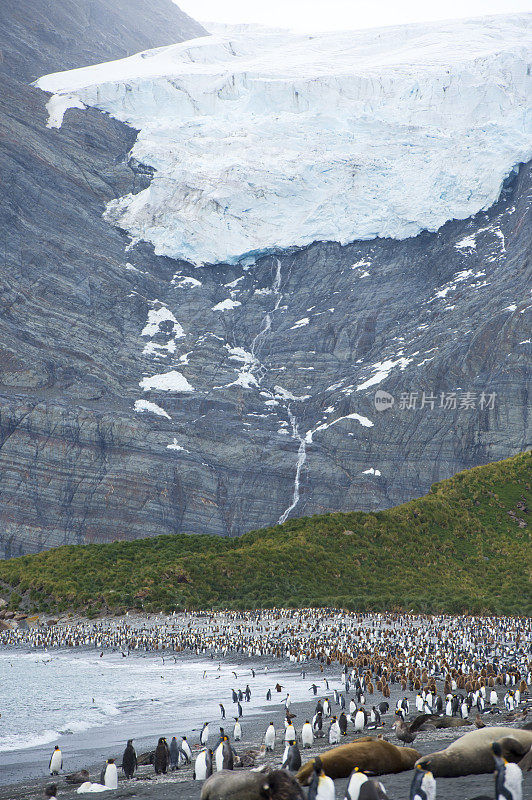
367,753
230,785
471,754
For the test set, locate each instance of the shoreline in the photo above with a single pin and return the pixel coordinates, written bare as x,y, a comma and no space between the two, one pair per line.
261,643
147,786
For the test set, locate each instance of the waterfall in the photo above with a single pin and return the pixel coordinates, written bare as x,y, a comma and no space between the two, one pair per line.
301,458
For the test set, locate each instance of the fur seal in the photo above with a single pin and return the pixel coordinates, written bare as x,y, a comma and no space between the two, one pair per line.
367,753
471,754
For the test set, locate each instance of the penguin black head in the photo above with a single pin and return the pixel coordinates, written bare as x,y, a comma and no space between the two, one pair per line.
110,761
497,749
130,741
51,790
318,765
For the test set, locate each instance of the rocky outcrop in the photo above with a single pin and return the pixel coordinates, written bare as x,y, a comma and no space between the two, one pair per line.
142,396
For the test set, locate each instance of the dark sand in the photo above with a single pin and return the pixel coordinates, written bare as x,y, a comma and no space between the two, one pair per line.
25,766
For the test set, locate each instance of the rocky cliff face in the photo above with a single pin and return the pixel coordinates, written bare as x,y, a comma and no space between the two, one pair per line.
141,395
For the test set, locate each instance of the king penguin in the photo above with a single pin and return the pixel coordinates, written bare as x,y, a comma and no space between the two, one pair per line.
356,780
56,761
291,757
185,749
237,730
307,737
508,777
110,777
321,786
174,754
290,732
334,731
204,735
227,752
360,720
203,765
423,786
269,738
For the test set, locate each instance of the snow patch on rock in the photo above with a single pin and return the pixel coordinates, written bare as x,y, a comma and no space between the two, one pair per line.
145,405
172,381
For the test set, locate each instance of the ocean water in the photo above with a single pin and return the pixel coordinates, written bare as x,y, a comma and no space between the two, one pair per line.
74,698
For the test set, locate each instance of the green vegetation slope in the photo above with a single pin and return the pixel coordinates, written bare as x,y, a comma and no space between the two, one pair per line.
465,546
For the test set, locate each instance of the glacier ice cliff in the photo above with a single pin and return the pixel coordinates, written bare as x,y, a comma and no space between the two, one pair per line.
266,140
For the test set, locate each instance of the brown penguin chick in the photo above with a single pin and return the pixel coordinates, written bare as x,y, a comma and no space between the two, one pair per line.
478,722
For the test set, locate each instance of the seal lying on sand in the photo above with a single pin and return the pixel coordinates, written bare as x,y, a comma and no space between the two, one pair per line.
260,785
471,754
235,785
367,753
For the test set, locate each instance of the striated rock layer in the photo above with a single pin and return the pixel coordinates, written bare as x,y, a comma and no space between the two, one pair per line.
141,395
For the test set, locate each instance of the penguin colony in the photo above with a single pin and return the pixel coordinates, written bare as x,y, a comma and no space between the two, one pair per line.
450,671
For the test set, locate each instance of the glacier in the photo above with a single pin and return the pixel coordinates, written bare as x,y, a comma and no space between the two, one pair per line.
264,140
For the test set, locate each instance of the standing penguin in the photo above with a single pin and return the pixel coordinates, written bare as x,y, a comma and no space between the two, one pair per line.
222,710
219,755
161,758
334,731
342,724
423,786
227,753
185,749
237,730
290,731
56,761
203,765
269,738
174,754
321,787
356,780
307,737
110,775
360,720
291,757
508,777
204,735
129,760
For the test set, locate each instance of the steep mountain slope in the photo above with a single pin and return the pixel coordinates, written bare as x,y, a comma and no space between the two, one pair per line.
61,264
142,395
463,547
